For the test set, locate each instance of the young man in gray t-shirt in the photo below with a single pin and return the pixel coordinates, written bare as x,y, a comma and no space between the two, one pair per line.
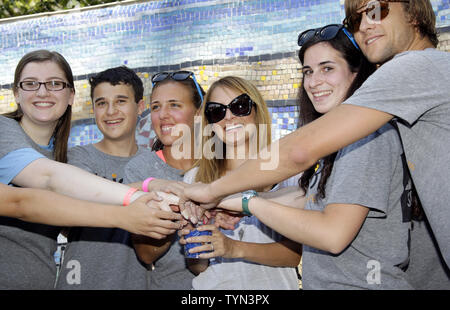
104,257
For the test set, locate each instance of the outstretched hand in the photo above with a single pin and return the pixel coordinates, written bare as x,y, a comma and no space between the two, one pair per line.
144,217
201,194
226,220
196,199
231,203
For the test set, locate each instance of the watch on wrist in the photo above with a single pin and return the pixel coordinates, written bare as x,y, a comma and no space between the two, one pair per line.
246,196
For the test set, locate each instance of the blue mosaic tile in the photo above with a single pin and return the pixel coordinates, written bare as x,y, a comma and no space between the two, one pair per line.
169,32
153,24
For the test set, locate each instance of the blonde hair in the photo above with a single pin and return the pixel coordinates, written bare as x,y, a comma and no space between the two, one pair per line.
212,169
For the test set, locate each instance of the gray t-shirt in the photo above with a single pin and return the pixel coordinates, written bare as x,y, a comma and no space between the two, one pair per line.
104,257
170,270
369,173
26,255
427,269
239,274
414,87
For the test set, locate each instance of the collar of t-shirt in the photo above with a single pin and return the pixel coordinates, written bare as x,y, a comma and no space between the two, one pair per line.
50,145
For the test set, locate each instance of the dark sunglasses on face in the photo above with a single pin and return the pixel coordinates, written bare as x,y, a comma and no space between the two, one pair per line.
239,106
325,33
176,76
375,10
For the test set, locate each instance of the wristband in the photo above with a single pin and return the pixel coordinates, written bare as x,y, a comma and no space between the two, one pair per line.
246,196
127,198
145,184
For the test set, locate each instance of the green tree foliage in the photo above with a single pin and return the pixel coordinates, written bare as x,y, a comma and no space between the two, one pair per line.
12,8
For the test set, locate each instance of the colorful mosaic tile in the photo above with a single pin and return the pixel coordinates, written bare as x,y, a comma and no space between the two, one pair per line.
254,39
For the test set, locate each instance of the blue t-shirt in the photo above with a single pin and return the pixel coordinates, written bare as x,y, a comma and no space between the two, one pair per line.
14,162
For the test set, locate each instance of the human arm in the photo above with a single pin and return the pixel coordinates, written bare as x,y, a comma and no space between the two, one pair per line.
292,196
168,186
294,153
150,249
197,265
39,206
69,180
323,230
364,176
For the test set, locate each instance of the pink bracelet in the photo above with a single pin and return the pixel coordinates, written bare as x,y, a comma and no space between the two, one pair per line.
127,198
145,184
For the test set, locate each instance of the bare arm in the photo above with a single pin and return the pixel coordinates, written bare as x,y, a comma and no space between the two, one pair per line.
197,265
331,230
149,249
292,196
295,153
69,180
169,186
285,253
39,206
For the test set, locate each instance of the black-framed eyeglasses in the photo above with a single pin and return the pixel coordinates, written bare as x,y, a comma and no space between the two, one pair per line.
239,106
176,76
54,85
375,11
325,33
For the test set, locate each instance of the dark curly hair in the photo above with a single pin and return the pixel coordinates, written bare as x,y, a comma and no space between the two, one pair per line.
118,75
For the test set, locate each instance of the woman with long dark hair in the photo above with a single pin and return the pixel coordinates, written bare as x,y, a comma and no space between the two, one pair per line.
356,223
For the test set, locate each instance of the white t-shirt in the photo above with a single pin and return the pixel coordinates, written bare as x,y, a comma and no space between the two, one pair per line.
238,274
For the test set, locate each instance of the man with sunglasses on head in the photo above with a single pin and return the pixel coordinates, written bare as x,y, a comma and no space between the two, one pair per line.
411,89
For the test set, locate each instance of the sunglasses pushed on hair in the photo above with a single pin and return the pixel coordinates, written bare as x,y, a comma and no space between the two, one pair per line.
375,11
239,106
176,76
325,33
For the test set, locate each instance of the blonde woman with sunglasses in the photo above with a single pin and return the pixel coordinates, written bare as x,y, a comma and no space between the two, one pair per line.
250,256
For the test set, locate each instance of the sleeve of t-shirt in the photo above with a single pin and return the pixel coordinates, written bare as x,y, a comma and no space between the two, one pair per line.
407,86
14,162
362,171
12,136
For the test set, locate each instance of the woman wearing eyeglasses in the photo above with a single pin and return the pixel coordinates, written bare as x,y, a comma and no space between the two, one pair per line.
174,101
32,154
251,256
355,226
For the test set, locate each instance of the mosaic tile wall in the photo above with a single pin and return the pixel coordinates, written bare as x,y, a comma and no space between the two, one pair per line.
254,39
